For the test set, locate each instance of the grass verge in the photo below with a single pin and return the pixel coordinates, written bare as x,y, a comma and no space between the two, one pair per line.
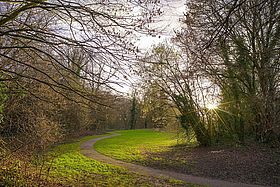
67,166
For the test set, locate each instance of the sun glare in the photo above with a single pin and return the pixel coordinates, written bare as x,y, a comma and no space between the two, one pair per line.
212,106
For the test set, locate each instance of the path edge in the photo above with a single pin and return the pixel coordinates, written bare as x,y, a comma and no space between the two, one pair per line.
87,149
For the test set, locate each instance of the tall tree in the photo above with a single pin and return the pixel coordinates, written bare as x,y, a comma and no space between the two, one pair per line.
236,43
133,112
177,78
157,109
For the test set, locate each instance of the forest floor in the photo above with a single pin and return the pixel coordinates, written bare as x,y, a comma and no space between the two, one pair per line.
253,164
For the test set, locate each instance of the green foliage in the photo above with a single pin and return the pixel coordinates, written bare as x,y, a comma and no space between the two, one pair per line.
238,93
192,120
132,143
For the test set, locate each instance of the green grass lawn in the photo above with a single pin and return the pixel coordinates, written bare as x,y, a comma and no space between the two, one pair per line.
131,144
67,166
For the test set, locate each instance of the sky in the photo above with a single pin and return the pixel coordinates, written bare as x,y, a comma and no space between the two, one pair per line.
165,24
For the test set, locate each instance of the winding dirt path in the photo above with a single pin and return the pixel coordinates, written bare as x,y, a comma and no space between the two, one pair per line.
88,151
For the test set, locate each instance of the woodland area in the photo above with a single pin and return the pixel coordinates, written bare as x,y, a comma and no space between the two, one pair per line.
64,62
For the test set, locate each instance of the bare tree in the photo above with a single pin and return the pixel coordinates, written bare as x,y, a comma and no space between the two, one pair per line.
49,29
185,87
60,57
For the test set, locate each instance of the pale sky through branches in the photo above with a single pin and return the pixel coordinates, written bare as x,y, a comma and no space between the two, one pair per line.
165,24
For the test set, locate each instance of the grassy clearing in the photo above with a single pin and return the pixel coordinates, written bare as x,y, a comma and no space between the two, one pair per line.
67,166
146,147
131,145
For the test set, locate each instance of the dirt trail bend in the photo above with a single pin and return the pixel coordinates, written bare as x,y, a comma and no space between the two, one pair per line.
88,151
